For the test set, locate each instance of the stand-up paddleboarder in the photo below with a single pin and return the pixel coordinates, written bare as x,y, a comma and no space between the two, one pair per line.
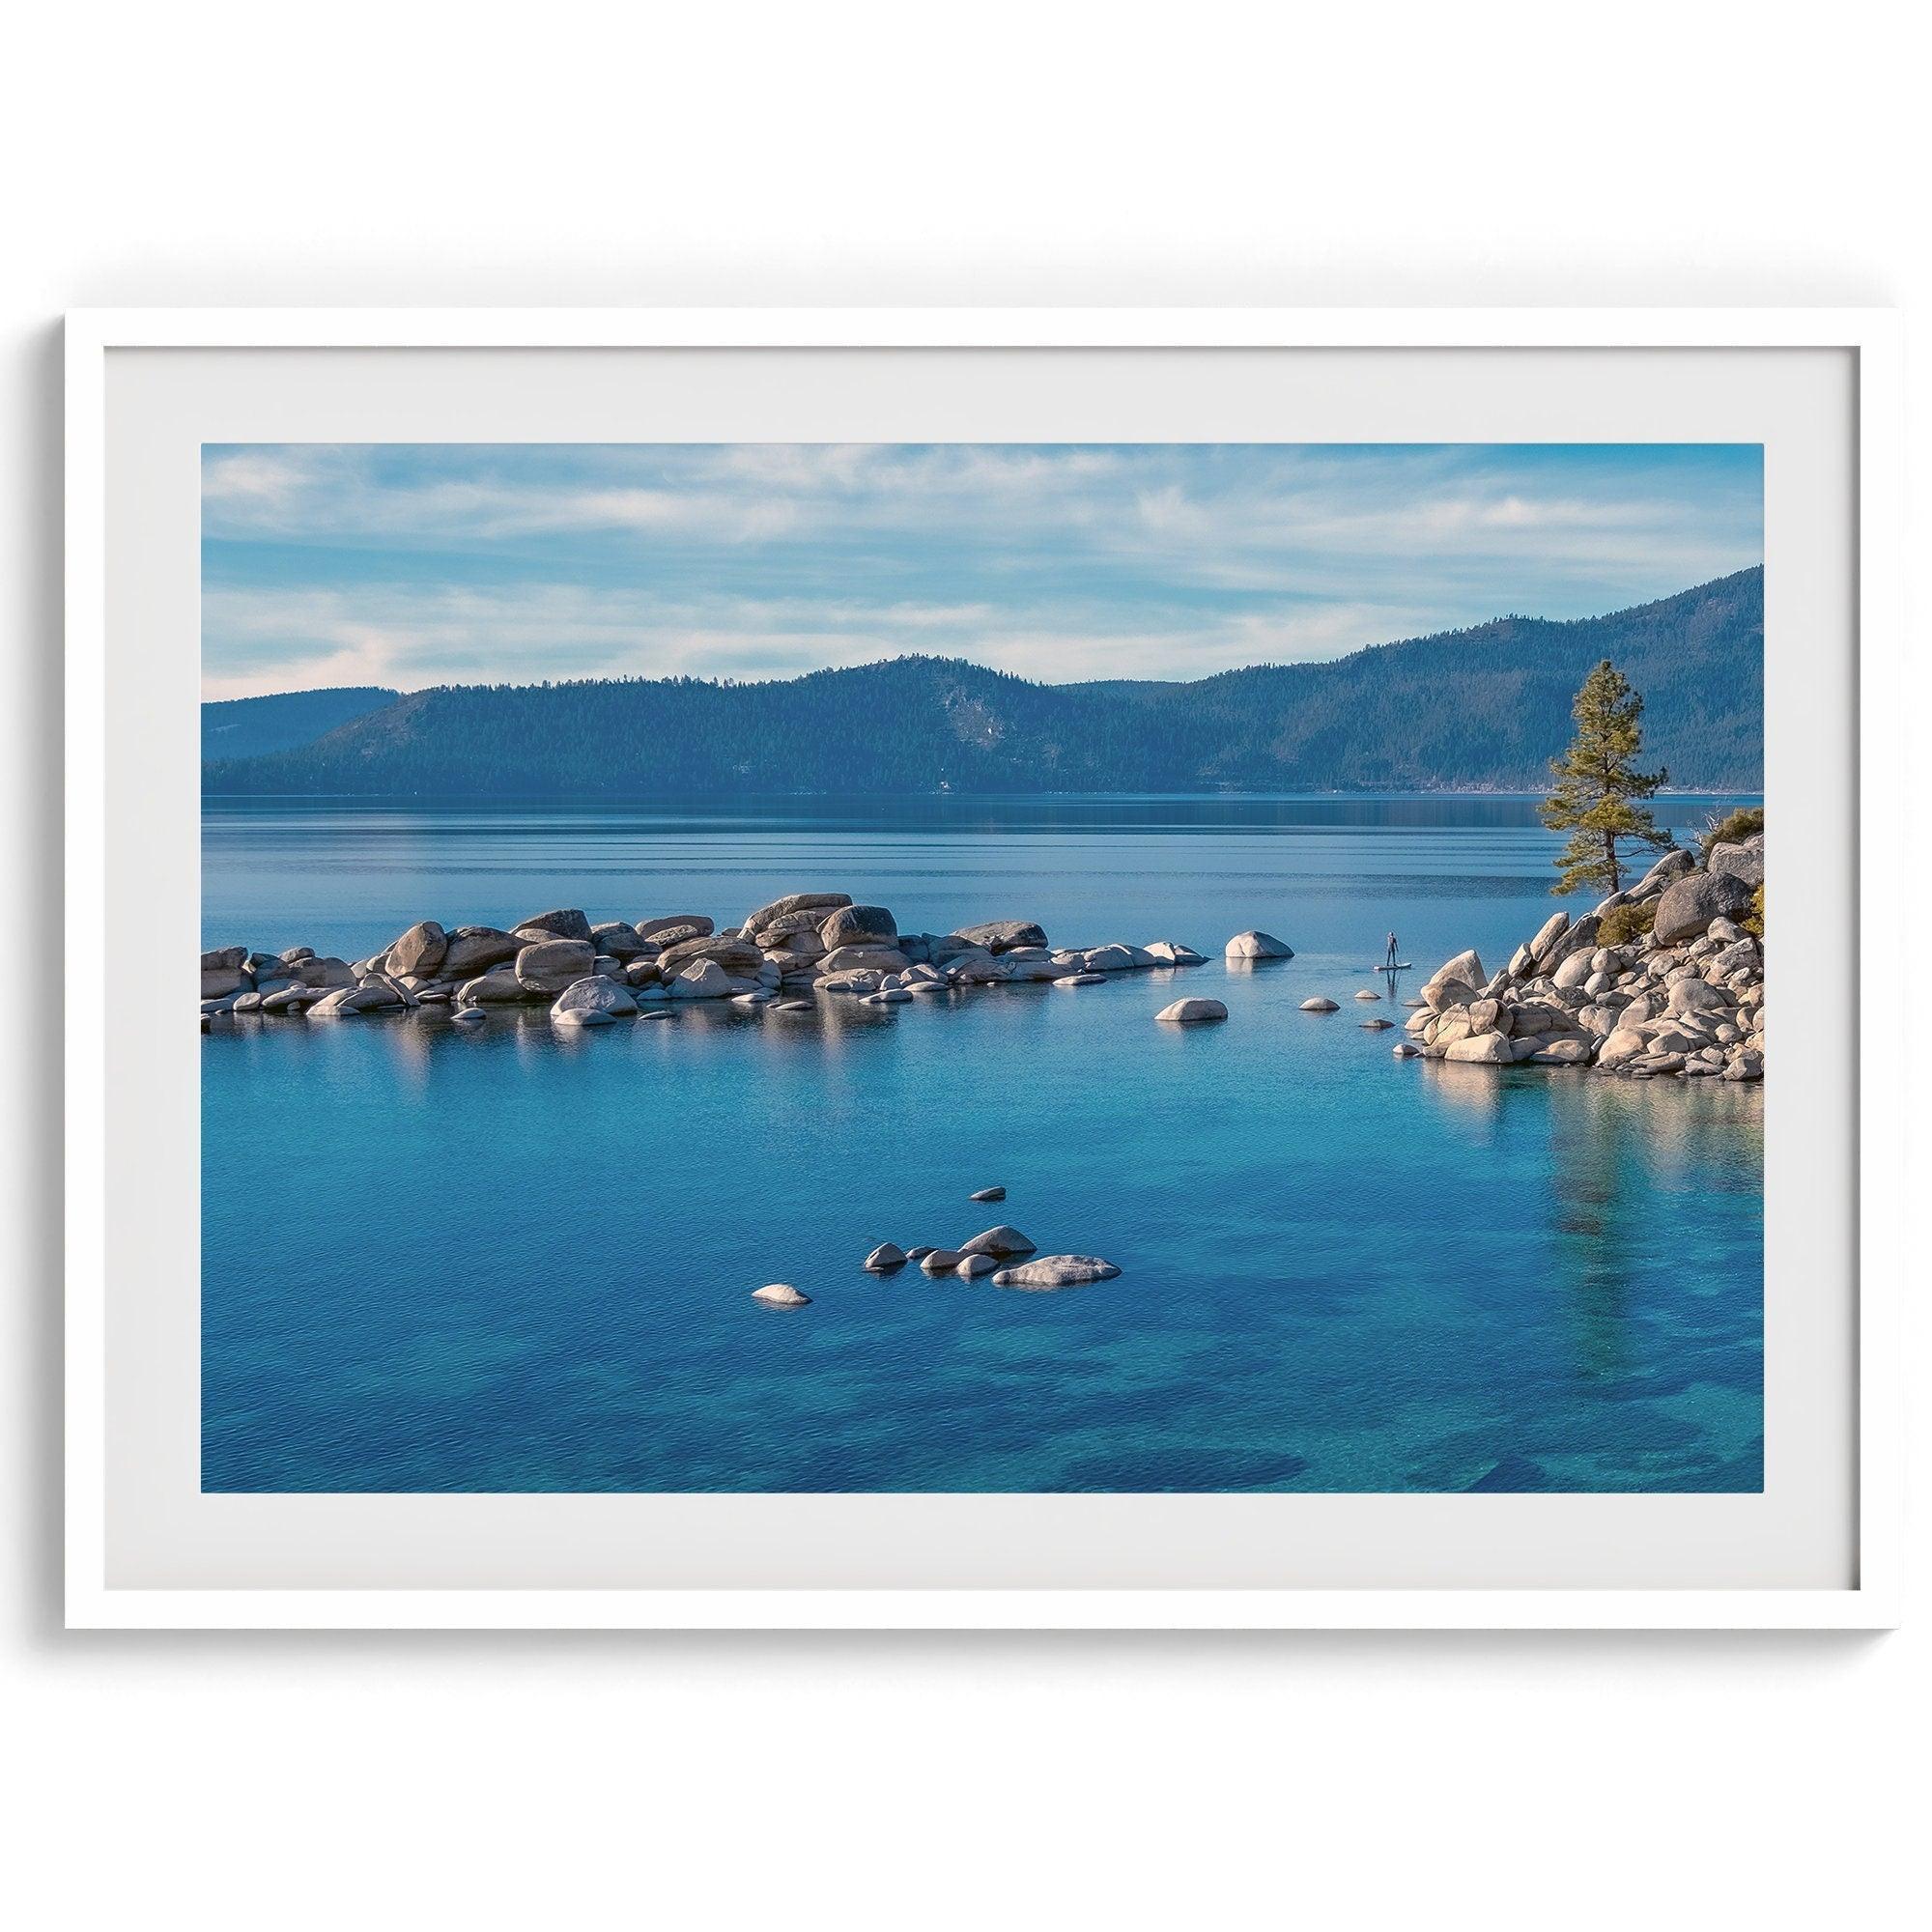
1392,953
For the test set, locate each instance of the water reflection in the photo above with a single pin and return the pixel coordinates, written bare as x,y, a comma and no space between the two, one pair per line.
1341,1271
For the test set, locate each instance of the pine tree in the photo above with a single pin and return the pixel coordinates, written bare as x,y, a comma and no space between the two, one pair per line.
1598,784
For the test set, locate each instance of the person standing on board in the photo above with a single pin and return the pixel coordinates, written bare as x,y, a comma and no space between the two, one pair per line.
1392,955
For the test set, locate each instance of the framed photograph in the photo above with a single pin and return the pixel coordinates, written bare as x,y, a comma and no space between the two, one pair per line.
984,969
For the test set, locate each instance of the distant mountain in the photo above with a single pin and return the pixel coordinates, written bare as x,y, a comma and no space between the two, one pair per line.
1477,709
249,728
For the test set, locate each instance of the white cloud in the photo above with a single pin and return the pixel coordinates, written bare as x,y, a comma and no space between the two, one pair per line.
460,564
258,640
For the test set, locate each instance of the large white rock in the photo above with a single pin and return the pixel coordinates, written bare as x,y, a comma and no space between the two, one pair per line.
1744,861
673,928
1170,952
592,1002
1317,1005
471,950
497,988
1488,1049
1547,934
1258,946
420,949
1695,996
1000,1240
879,960
780,1295
1192,1013
1673,864
858,925
735,955
805,908
348,1001
549,966
1465,969
1573,972
1056,1271
1562,1053
701,979
1002,935
566,922
885,1258
1624,1043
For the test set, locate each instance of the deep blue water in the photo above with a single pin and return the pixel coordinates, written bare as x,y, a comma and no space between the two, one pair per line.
515,1261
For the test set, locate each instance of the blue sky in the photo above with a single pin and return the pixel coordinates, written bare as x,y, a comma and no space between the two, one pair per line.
418,565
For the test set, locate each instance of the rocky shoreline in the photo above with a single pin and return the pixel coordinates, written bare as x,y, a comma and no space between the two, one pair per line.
804,944
1659,979
1678,990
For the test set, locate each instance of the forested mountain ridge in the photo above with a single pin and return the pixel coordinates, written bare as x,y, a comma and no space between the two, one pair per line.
1480,708
249,728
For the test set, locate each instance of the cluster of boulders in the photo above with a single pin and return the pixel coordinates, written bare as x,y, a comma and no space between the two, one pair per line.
806,943
997,1253
1685,997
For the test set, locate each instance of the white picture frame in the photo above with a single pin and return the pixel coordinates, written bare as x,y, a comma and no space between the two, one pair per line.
1873,1600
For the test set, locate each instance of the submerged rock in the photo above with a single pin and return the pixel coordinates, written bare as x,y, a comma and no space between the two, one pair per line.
1056,1271
988,1194
1317,1005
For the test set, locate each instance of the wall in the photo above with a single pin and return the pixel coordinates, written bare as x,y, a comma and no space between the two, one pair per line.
1005,154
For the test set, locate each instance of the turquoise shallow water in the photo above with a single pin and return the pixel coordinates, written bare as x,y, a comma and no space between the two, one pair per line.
515,1261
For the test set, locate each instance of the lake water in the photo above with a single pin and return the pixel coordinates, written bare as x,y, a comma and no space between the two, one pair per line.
516,1260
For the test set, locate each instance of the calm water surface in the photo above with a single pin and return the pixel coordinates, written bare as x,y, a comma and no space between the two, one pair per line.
516,1260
